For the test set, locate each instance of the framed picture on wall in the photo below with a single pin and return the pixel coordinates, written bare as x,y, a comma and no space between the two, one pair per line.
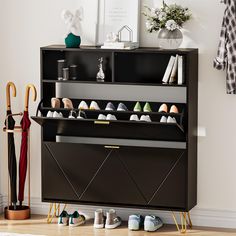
114,14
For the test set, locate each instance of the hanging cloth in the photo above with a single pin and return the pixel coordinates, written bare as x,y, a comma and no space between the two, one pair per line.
226,55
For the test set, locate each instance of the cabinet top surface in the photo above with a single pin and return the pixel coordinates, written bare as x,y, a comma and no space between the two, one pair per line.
139,50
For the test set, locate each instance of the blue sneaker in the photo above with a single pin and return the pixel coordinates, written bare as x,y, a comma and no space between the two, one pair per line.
152,223
135,222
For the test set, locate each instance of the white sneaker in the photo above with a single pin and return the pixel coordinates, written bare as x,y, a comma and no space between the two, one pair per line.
111,117
163,119
171,119
112,220
83,105
145,118
94,106
134,118
152,223
57,115
102,117
50,114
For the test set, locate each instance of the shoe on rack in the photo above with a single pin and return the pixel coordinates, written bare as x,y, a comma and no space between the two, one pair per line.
76,219
174,109
110,107
145,118
83,105
111,117
55,103
57,115
112,220
67,103
72,114
94,106
171,119
99,219
137,107
122,107
134,118
163,108
135,222
81,115
63,219
152,223
147,107
50,114
163,119
102,117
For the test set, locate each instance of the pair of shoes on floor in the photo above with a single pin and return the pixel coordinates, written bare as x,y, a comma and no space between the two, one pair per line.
54,114
56,103
164,108
84,106
72,220
73,115
111,107
150,223
168,119
142,118
146,108
111,221
108,117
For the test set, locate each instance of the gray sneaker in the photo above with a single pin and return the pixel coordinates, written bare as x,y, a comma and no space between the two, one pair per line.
99,219
112,220
152,223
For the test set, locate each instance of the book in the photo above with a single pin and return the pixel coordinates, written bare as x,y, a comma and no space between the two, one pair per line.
180,71
173,74
120,45
169,68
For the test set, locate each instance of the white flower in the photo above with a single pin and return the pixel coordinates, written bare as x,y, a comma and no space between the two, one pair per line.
161,16
149,25
153,12
171,25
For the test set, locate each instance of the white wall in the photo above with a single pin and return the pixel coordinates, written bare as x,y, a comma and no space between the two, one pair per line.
28,24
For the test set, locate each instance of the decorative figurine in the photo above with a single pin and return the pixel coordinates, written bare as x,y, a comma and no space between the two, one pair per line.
72,39
100,75
112,37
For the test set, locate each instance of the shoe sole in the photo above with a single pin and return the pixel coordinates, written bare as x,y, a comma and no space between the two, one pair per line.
98,226
113,226
149,227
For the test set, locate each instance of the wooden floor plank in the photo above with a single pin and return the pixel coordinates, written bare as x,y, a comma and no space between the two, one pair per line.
38,225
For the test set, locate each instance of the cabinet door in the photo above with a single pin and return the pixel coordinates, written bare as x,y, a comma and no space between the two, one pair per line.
68,168
159,174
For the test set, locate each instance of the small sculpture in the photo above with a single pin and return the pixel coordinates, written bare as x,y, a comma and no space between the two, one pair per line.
72,23
100,75
112,37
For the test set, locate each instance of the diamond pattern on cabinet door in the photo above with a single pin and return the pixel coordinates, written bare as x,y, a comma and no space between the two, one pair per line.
113,184
74,165
149,167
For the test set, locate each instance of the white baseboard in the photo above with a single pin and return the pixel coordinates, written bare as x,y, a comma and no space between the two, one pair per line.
200,217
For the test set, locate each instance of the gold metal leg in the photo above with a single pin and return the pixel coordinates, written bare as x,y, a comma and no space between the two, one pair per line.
185,221
54,211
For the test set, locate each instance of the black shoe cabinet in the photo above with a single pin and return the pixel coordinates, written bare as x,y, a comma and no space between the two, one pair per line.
122,163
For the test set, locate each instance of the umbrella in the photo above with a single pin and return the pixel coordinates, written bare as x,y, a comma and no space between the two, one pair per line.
10,124
25,125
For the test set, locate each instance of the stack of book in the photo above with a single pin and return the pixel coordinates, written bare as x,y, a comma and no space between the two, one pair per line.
174,71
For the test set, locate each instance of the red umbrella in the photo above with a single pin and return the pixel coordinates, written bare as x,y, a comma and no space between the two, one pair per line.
25,124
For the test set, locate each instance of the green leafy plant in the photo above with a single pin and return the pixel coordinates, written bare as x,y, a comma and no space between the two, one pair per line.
171,17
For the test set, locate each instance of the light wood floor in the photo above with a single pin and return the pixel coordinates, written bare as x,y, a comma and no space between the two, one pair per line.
37,225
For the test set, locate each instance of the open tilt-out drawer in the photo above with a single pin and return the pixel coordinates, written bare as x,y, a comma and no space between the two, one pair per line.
143,177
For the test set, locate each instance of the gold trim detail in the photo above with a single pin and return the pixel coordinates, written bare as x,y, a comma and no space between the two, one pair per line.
98,122
112,147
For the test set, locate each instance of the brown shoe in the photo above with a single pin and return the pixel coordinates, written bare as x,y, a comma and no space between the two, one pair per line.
55,103
67,103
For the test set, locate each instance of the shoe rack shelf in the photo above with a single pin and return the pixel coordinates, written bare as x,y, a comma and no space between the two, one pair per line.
90,161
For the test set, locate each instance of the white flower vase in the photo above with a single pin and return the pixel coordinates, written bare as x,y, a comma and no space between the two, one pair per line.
170,39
